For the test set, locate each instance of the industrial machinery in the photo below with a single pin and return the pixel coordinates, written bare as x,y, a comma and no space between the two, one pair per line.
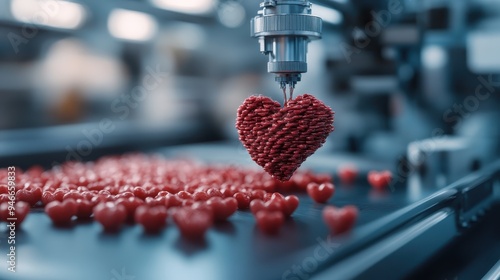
284,29
414,85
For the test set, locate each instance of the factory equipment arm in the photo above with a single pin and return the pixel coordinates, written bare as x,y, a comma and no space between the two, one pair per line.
284,29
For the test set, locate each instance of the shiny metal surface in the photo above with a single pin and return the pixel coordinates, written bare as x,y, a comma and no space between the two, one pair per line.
284,29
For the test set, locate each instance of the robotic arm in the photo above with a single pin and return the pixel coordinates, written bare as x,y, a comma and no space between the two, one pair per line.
284,28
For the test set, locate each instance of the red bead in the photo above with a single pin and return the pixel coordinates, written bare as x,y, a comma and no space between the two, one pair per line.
340,219
243,200
348,174
320,193
200,196
379,180
110,215
73,195
84,209
130,204
257,194
214,193
61,212
270,222
173,201
140,193
18,212
184,195
192,223
290,204
222,208
4,198
4,189
152,219
30,194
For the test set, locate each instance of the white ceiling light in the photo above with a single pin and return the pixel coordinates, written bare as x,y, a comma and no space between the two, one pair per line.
132,25
58,14
231,14
186,6
327,14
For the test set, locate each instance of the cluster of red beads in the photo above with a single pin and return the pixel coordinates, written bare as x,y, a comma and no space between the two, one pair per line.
281,139
149,189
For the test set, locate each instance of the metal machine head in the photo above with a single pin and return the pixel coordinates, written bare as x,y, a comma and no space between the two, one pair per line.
284,28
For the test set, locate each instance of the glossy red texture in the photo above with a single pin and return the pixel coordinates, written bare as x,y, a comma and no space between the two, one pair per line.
152,219
131,204
193,223
270,222
320,193
21,210
243,200
223,208
61,212
84,209
379,180
340,220
291,203
134,180
348,174
30,194
110,215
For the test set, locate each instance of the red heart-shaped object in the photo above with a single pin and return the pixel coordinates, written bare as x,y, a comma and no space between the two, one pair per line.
348,174
243,200
48,196
320,193
29,194
270,222
4,189
291,203
172,200
84,208
281,139
19,211
131,204
193,223
379,180
340,219
61,212
110,215
222,208
271,205
152,219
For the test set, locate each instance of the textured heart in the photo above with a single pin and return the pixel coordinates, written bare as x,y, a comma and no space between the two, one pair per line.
281,139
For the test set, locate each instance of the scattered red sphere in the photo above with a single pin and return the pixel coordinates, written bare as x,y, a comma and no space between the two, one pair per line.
379,180
270,222
340,220
112,189
348,174
61,212
193,223
320,192
110,215
152,219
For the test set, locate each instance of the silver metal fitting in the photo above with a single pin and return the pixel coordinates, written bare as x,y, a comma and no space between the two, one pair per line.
284,29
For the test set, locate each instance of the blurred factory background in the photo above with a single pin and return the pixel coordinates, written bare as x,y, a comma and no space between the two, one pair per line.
83,78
